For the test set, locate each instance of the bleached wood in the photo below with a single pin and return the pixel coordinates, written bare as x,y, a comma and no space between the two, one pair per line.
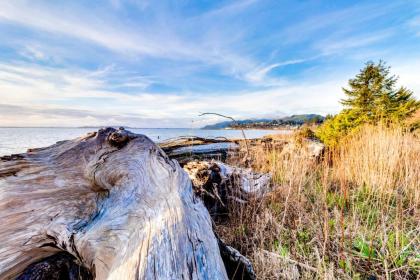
241,180
114,201
185,149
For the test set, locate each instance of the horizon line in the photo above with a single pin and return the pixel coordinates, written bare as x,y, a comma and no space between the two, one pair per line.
114,126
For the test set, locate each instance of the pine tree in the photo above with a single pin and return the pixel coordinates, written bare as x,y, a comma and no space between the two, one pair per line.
371,97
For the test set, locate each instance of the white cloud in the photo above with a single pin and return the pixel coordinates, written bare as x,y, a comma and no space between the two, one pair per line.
336,22
259,74
408,74
78,25
172,52
77,96
155,39
33,53
229,9
40,95
414,25
339,44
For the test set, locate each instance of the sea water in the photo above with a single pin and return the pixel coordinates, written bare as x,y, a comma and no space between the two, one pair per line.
15,140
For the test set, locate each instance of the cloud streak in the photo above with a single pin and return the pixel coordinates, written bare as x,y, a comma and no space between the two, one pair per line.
46,92
139,64
156,40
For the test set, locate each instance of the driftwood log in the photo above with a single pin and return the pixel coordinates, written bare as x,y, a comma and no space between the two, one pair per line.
110,205
186,149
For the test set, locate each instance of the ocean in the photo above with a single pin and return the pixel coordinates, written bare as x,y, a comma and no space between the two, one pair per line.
14,140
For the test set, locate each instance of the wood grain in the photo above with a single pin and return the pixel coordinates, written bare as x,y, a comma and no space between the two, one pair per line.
114,201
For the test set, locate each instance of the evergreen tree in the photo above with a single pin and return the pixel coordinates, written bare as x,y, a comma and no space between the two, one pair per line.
371,97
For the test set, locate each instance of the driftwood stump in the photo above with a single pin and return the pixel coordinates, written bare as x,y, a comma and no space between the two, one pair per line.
110,205
219,184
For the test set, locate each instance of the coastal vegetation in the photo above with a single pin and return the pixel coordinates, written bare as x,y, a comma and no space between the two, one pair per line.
278,123
371,98
351,213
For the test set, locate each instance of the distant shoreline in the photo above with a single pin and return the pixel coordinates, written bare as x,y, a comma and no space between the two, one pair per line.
256,128
98,127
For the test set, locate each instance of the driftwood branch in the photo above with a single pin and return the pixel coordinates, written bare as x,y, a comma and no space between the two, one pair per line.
237,123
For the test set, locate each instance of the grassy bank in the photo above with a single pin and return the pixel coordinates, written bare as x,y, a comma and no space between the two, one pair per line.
353,214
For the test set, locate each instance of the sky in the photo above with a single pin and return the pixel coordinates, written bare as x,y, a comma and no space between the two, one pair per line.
162,63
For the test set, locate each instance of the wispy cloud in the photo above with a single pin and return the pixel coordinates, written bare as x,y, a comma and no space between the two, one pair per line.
326,23
333,45
228,9
414,24
15,115
44,92
259,74
80,25
33,53
159,40
141,62
37,95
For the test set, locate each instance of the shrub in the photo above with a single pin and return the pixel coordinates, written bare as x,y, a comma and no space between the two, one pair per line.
372,98
304,133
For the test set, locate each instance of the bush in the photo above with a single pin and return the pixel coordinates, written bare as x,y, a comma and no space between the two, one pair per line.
304,133
372,98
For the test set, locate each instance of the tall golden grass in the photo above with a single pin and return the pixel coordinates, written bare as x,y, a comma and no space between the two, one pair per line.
352,214
383,159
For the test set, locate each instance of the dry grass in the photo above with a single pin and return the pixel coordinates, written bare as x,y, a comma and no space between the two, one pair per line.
384,160
352,215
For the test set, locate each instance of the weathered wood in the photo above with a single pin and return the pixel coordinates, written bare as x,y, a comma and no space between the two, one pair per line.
238,267
218,184
61,266
114,202
182,141
186,149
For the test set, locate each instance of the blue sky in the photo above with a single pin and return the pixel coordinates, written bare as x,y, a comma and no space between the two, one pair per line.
161,63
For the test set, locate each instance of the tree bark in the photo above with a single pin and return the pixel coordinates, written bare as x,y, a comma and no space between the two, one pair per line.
113,203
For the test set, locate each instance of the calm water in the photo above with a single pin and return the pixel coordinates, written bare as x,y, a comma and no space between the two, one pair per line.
18,140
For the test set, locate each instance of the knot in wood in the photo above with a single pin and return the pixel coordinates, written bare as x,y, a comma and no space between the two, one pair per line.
118,138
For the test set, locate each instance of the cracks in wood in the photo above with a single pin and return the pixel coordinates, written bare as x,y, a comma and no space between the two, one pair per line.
105,265
11,157
99,235
238,267
74,249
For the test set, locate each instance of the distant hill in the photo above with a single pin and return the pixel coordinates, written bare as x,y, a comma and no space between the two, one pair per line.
293,120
